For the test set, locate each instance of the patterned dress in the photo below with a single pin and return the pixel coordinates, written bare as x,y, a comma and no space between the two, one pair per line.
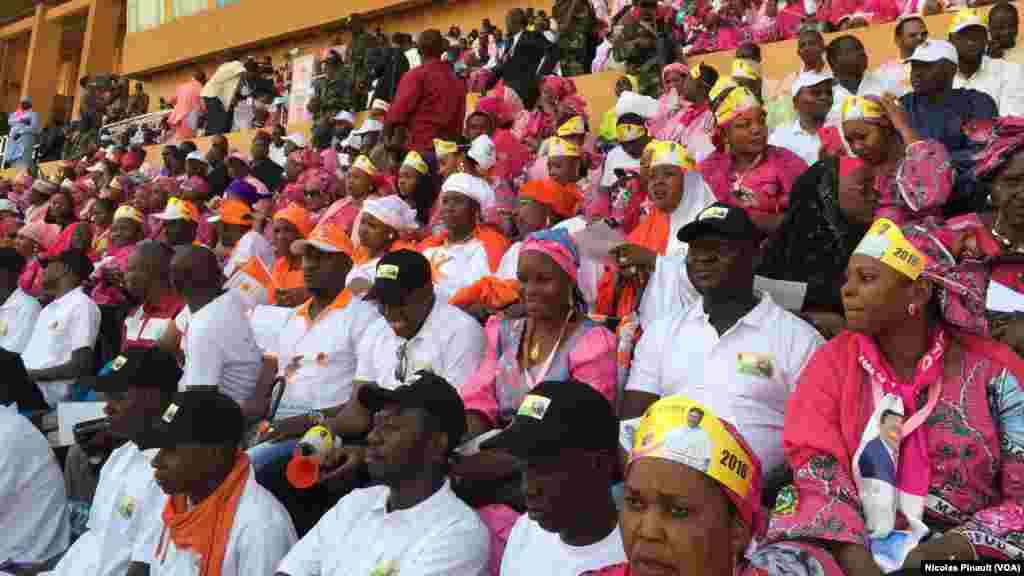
976,451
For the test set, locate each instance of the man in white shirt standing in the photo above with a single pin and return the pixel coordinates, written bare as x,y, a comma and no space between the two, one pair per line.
812,100
141,384
34,515
19,311
208,478
60,349
216,336
1000,79
567,436
734,350
412,523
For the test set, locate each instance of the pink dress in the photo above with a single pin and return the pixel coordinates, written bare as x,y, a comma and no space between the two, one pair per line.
762,190
105,294
499,385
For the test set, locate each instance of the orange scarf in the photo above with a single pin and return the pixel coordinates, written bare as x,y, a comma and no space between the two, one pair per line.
495,244
285,277
652,233
206,528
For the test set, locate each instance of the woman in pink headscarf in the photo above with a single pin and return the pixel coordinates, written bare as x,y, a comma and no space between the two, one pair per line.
541,123
33,242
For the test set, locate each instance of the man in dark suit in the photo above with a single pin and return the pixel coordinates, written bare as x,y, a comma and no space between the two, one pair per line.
520,63
878,459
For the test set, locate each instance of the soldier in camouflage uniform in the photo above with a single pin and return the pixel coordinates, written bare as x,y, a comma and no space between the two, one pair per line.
575,36
359,70
637,46
334,91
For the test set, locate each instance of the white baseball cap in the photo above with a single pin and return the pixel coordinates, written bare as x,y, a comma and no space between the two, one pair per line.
369,125
932,50
808,79
633,103
483,152
966,19
297,138
196,155
345,116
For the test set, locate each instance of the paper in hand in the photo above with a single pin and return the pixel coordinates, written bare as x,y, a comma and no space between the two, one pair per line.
597,240
1001,298
786,293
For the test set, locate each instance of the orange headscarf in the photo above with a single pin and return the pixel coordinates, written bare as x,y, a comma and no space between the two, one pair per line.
206,528
564,200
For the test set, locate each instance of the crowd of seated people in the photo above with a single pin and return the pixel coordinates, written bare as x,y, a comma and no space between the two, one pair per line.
709,332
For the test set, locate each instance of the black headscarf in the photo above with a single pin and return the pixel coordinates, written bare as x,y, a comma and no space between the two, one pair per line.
815,240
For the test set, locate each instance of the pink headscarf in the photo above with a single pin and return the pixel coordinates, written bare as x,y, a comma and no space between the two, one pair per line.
42,233
673,67
557,244
561,86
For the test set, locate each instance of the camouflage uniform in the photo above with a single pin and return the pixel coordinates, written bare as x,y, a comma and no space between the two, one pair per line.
575,39
359,69
334,92
642,63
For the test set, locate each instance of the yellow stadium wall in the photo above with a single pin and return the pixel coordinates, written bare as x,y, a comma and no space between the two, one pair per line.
779,59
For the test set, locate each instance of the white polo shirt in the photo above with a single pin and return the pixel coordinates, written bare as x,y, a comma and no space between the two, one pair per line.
220,348
249,245
317,358
17,319
458,265
798,141
745,375
450,344
127,504
33,506
1000,79
260,536
69,323
531,550
440,536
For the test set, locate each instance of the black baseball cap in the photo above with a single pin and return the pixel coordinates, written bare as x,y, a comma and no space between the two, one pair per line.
75,260
722,219
200,416
559,415
398,274
137,368
430,393
11,260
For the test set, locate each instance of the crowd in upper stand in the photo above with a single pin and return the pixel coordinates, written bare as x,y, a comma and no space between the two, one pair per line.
726,327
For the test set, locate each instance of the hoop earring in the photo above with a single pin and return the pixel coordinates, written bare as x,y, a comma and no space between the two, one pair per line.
912,309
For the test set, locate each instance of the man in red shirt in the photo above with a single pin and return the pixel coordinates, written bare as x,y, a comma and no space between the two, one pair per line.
430,101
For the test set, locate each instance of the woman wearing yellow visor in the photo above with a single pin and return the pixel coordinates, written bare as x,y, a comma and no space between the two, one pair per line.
693,499
905,433
745,170
913,176
417,187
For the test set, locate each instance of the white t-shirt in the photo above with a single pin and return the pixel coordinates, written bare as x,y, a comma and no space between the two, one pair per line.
795,139
69,323
261,535
1001,80
127,504
531,551
745,375
33,506
250,244
17,319
220,348
458,265
317,357
450,344
440,536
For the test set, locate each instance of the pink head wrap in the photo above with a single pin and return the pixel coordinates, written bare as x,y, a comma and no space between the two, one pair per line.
558,245
42,233
673,67
561,86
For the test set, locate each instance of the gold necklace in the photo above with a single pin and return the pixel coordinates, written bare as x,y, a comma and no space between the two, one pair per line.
534,352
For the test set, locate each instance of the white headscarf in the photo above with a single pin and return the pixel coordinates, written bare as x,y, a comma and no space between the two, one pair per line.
471,186
390,210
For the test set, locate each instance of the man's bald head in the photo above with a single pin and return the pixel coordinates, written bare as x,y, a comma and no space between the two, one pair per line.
196,273
431,44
